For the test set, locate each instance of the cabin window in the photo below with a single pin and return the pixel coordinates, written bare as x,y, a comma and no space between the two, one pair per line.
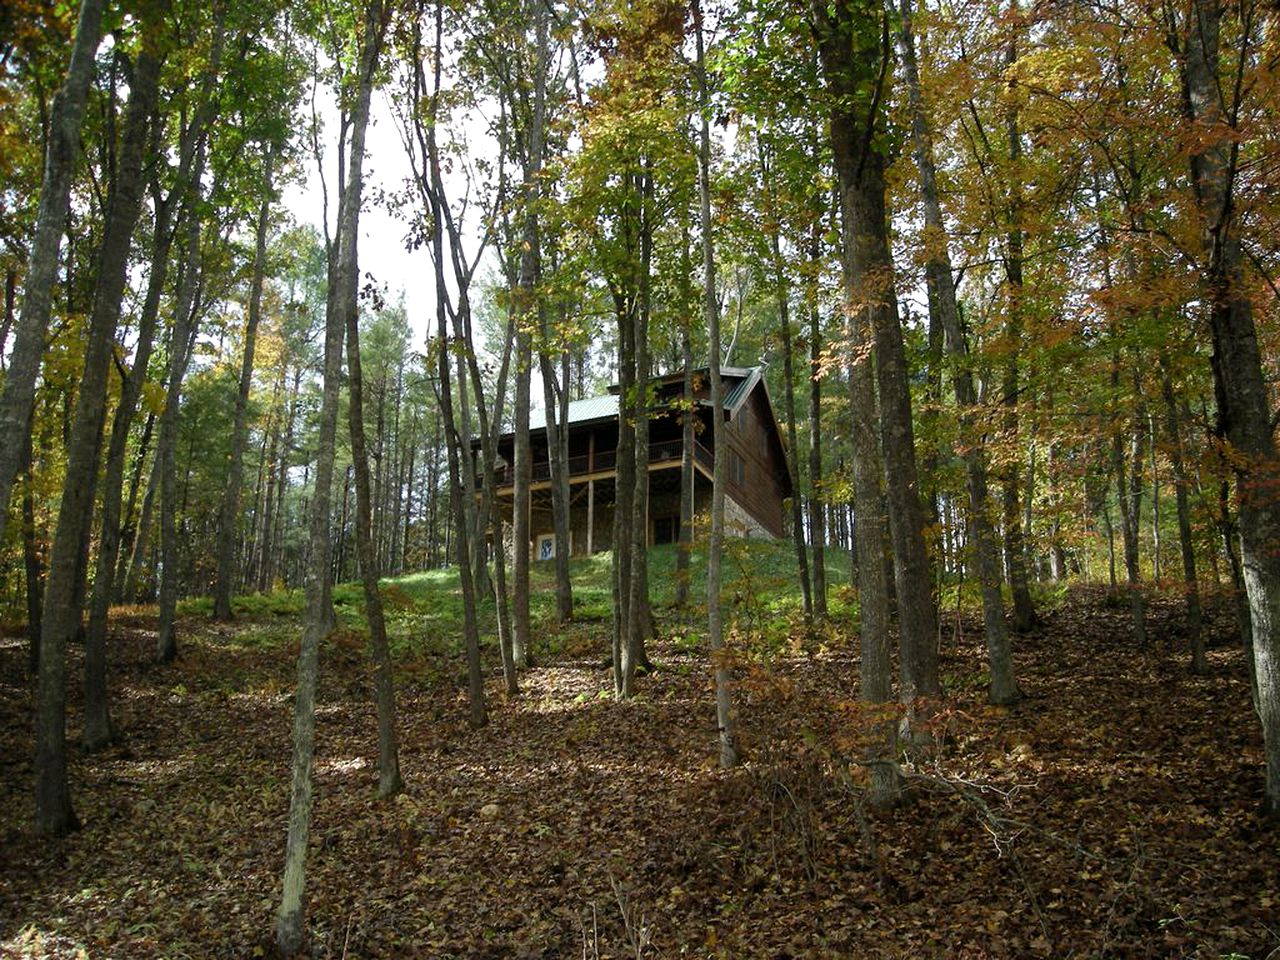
737,469
546,546
666,530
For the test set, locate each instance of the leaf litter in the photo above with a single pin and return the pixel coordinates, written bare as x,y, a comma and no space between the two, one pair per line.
1112,814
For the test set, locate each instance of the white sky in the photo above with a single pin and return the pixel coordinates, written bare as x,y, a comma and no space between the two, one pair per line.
382,249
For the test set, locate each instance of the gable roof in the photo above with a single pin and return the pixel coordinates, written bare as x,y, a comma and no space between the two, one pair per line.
740,381
603,407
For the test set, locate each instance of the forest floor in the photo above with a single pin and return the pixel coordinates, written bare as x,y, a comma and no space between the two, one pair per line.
1112,814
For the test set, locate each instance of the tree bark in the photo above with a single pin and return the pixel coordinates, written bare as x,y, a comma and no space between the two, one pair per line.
290,922
18,397
940,282
817,511
228,516
1239,380
782,296
721,658
389,780
1024,612
33,569
62,606
98,730
688,418
185,325
1190,579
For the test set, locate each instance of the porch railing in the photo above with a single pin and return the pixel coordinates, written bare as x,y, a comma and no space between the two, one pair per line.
602,461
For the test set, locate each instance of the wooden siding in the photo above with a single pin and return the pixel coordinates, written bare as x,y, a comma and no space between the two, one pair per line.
752,437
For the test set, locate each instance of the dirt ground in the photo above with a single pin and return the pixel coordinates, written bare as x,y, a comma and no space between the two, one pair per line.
1112,814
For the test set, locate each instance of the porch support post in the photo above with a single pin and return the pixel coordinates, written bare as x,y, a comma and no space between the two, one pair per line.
591,514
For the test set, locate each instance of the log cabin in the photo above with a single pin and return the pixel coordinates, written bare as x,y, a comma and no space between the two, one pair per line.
757,479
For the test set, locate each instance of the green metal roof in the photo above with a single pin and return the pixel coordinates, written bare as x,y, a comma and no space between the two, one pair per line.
580,411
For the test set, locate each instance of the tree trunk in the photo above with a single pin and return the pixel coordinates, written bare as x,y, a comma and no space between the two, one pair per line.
940,281
1190,579
817,513
624,499
290,922
782,295
63,594
1239,380
389,781
18,397
721,658
557,434
1024,612
98,731
32,567
688,417
183,335
1128,477
229,514
863,187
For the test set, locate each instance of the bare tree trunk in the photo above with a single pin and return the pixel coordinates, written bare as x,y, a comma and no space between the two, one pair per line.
18,397
142,535
389,781
624,498
688,417
290,925
63,595
557,434
1024,612
940,280
1190,579
1128,477
10,306
504,609
817,513
641,618
183,334
32,567
228,517
782,295
98,730
726,719
1239,382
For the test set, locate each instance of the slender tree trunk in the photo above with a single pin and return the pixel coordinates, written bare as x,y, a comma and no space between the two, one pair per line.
782,295
504,609
389,781
688,418
1024,612
726,719
63,596
817,513
942,296
624,498
98,730
32,567
142,536
638,608
1128,477
557,434
228,517
18,397
290,922
1190,579
181,342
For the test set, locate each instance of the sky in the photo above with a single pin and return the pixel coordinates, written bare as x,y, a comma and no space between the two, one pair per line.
382,249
